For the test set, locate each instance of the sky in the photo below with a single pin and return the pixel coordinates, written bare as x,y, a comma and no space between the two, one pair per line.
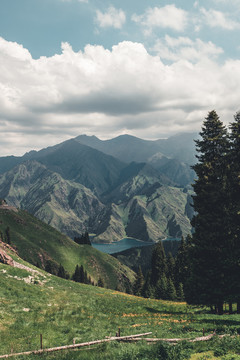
148,68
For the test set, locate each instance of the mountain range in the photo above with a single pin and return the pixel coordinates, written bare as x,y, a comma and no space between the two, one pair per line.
123,187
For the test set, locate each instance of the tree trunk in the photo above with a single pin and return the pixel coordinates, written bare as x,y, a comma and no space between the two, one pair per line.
230,307
219,308
238,307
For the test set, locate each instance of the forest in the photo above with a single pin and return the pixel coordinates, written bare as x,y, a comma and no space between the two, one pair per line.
206,270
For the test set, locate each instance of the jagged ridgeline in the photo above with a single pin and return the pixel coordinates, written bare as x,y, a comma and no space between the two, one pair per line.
124,187
42,245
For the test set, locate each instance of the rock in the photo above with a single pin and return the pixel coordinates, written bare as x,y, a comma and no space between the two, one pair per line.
5,258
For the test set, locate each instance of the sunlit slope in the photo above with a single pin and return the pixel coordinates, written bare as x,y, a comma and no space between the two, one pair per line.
34,302
39,243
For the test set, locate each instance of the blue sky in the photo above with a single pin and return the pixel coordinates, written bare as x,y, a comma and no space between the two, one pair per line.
147,68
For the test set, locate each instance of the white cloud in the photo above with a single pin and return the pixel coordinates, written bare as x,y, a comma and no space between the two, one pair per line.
183,48
214,18
108,92
168,16
111,18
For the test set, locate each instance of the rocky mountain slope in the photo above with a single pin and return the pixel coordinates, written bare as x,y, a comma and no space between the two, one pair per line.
76,188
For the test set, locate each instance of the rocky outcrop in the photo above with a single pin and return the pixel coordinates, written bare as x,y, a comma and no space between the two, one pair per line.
5,258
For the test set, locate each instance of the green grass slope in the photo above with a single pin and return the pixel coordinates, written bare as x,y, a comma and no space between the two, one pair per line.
37,242
34,302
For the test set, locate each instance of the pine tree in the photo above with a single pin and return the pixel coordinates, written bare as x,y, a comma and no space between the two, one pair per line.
148,290
158,263
171,291
170,272
208,284
182,262
76,276
139,282
234,212
81,274
180,292
161,289
61,272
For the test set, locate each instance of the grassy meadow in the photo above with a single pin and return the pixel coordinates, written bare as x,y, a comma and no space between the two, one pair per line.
34,303
37,242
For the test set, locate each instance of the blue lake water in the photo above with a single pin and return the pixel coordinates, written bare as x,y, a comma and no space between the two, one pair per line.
121,245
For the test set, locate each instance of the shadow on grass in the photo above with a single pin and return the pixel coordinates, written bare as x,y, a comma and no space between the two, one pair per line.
165,311
221,322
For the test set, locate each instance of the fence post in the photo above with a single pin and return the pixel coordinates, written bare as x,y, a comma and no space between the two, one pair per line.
41,342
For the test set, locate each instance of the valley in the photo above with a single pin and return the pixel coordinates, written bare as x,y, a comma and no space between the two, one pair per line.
54,196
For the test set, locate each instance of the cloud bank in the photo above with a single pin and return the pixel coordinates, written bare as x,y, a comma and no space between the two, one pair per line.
111,92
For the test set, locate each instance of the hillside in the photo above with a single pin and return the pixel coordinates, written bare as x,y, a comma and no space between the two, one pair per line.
63,204
76,188
34,302
138,205
154,213
39,243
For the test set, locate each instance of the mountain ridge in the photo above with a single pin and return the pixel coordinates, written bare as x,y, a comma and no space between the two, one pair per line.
76,188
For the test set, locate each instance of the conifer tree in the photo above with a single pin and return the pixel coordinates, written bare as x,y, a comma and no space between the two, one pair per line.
182,262
161,289
234,212
76,276
148,290
61,272
139,282
171,291
158,263
208,282
180,292
170,272
81,274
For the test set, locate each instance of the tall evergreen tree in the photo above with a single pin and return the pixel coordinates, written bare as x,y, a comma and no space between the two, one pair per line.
171,291
234,212
180,292
148,291
161,289
208,275
170,272
81,274
61,272
76,275
158,263
139,282
182,262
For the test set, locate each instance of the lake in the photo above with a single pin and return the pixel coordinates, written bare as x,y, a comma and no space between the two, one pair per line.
121,245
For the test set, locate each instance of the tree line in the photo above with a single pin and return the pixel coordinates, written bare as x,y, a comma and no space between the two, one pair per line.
80,274
167,275
206,270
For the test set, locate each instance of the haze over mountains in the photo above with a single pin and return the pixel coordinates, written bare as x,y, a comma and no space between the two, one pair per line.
123,187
